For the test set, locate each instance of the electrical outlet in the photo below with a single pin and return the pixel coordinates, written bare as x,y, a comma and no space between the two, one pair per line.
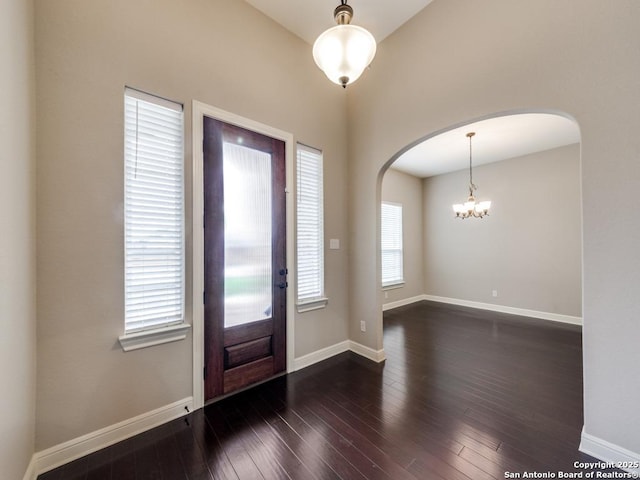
363,326
494,293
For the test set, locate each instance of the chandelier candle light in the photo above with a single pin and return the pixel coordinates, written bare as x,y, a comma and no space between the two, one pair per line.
471,208
344,51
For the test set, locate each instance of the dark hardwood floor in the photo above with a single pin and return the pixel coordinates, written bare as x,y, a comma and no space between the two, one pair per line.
464,394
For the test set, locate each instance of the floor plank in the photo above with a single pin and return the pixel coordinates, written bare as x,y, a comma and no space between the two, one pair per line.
464,394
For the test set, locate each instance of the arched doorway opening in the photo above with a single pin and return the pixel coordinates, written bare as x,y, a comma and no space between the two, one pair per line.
526,257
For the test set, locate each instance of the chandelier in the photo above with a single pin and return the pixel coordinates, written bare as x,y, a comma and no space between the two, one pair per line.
344,51
471,208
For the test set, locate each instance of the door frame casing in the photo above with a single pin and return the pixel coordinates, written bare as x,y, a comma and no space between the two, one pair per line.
199,110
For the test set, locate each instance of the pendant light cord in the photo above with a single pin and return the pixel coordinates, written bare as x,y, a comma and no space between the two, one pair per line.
472,187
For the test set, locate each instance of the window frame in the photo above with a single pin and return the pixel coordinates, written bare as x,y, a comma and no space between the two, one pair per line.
396,281
317,299
156,331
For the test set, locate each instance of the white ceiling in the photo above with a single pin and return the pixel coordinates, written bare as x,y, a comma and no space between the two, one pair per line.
309,18
496,139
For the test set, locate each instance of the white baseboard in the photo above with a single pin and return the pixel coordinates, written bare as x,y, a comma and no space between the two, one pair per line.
555,317
403,302
609,453
66,452
345,346
320,355
367,352
31,473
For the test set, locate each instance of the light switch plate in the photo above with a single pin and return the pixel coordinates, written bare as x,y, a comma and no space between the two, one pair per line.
334,244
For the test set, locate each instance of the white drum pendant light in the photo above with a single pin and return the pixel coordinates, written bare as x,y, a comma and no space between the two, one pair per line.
344,51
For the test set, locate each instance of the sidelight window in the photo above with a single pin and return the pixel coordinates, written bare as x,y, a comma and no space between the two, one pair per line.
310,229
153,213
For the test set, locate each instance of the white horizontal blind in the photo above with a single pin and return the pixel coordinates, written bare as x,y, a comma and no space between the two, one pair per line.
154,212
391,245
310,223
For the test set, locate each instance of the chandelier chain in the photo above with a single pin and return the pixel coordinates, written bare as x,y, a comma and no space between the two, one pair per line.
472,186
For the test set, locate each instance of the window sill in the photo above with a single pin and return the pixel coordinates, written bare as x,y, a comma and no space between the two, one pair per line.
309,305
149,338
392,286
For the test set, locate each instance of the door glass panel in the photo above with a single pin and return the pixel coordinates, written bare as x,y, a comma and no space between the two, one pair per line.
247,235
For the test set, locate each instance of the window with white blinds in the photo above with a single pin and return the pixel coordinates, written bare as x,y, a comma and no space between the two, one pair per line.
154,212
310,225
391,244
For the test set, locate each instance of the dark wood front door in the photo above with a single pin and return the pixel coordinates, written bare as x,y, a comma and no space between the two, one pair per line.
245,257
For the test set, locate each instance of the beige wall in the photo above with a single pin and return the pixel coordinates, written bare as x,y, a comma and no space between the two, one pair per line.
530,247
455,62
458,61
17,240
223,53
399,187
